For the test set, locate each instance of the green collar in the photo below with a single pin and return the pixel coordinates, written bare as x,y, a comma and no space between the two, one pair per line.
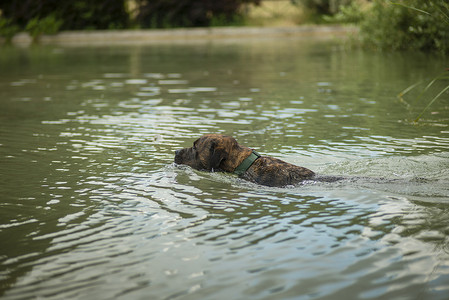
246,163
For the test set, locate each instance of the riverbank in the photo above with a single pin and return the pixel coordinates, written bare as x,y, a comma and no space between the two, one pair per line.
149,36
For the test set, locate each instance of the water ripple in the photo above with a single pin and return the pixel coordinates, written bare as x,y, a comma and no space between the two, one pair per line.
94,207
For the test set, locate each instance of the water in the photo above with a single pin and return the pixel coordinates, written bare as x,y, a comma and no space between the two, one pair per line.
94,208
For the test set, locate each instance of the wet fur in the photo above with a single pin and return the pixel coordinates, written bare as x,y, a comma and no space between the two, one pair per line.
216,152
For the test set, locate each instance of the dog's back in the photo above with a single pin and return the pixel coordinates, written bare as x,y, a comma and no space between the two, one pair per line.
275,172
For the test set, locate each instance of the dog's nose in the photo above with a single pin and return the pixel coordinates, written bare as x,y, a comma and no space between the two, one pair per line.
177,151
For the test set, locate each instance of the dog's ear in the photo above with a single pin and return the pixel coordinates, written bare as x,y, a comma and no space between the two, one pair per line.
218,154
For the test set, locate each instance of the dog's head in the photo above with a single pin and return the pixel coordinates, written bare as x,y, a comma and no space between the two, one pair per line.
210,152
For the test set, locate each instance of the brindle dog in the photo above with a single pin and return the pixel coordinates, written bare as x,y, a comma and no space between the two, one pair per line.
216,152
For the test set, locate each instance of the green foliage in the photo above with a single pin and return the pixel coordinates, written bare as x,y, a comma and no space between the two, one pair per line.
8,29
188,13
404,25
48,25
413,24
324,7
44,16
222,20
76,14
351,13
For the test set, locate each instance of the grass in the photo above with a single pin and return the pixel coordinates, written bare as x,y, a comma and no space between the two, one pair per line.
442,77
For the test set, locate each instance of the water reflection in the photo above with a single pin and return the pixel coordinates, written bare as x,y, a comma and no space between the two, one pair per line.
94,207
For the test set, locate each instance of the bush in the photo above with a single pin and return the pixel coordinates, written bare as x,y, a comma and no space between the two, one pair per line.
8,29
352,13
406,27
76,14
413,24
324,7
189,13
48,25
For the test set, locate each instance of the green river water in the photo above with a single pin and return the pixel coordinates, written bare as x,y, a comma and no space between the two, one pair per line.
93,207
